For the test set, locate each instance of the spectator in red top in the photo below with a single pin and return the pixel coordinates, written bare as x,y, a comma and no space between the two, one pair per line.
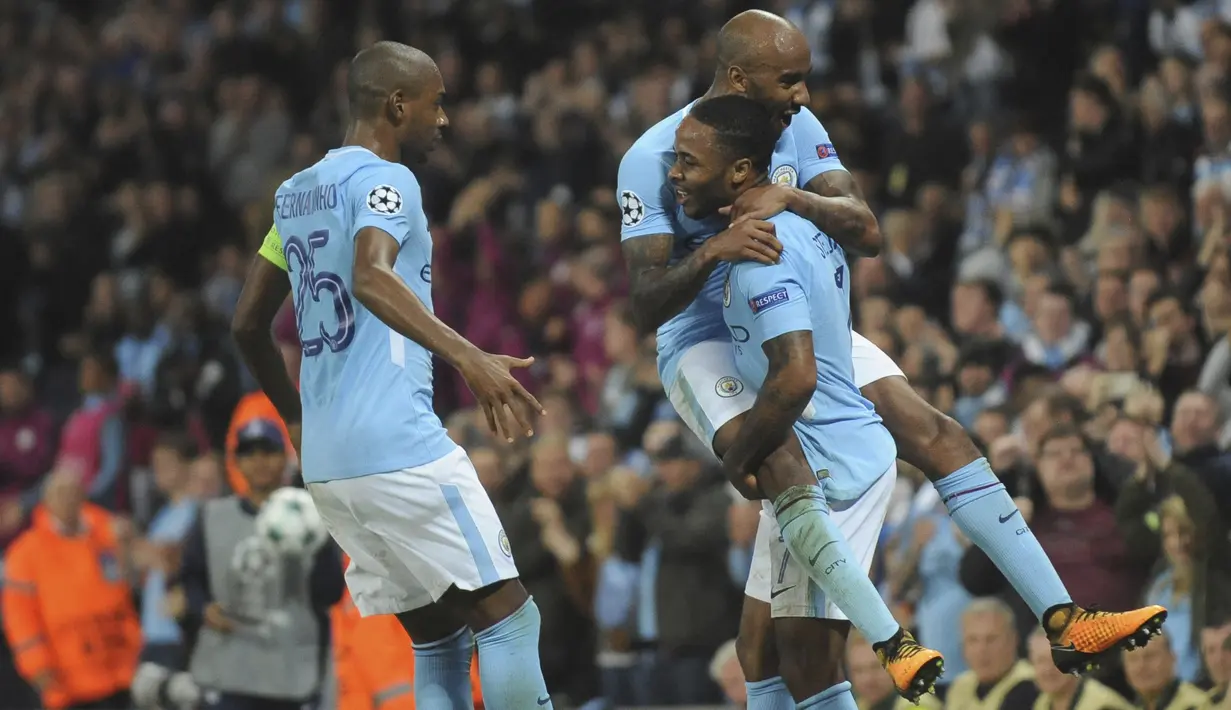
1075,526
27,445
93,441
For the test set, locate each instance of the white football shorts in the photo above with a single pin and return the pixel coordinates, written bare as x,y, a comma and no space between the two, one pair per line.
777,579
707,394
708,391
412,534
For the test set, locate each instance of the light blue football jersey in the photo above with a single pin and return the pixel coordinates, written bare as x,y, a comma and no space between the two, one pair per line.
647,206
841,434
366,390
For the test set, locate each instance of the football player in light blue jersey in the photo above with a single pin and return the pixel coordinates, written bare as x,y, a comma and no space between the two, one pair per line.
789,323
760,56
397,494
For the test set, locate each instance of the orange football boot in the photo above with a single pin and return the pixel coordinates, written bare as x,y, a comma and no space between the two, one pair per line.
913,667
1091,636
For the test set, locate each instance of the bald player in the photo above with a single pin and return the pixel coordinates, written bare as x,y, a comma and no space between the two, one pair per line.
350,242
677,268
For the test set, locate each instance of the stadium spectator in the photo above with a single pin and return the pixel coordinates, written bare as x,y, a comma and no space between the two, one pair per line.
1151,674
547,527
998,678
1216,654
156,555
926,573
27,447
93,441
68,614
677,530
1060,690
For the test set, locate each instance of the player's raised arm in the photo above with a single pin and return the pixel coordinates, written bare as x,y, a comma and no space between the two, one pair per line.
265,289
831,199
659,289
781,325
508,406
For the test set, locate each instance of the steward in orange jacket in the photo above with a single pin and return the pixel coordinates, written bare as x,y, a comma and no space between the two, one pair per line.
68,610
374,662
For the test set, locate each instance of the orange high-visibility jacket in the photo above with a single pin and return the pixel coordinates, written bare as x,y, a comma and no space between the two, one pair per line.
68,609
254,405
374,662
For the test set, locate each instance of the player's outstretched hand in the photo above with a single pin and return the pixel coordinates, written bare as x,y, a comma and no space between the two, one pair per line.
509,408
759,203
750,240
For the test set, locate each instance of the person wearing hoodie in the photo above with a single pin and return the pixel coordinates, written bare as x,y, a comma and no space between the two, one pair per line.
68,608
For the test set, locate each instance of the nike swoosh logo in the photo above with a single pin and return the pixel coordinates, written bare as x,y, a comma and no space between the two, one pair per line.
774,594
1005,518
544,700
818,552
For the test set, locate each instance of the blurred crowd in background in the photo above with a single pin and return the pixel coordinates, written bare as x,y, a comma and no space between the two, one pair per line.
1053,182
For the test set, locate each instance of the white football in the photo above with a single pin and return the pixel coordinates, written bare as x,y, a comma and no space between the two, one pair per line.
290,524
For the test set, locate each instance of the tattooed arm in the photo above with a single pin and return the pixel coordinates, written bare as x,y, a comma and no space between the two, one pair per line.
659,290
788,387
834,203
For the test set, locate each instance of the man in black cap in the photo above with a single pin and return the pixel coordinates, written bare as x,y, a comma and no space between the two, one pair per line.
262,618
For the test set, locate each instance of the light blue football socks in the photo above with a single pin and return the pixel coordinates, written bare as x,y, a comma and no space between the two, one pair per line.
442,672
820,548
769,694
985,513
509,669
836,697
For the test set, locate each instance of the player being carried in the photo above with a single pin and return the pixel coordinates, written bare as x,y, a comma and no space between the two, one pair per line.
677,261
397,494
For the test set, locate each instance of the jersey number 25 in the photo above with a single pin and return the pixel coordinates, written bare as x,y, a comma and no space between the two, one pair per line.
312,287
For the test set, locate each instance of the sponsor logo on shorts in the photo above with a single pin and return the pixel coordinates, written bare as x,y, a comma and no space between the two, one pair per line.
728,387
784,175
504,545
769,299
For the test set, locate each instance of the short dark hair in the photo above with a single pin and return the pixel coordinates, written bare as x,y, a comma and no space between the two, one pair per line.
1064,431
745,128
991,290
177,441
1166,294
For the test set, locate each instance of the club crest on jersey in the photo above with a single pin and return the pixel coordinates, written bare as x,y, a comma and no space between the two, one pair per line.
784,175
728,387
726,291
504,545
385,199
769,299
632,209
